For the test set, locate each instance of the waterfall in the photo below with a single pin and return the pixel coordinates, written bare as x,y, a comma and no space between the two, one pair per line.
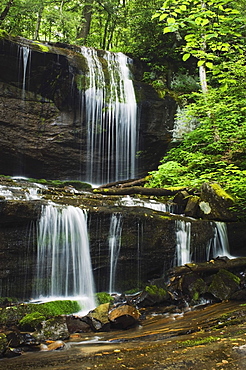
183,238
25,51
111,118
219,245
114,247
63,259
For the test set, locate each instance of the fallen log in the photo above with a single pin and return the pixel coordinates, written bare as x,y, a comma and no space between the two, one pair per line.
138,190
212,266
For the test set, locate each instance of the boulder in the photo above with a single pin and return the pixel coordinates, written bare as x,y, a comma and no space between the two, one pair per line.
191,208
98,318
52,329
124,316
215,203
224,284
77,325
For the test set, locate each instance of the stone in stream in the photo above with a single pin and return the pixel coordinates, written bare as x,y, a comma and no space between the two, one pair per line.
124,316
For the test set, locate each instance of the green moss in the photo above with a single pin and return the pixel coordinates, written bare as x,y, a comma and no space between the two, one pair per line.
199,341
103,297
78,185
42,47
154,290
31,321
13,314
3,33
221,192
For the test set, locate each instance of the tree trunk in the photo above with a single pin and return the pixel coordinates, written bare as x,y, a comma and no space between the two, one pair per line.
39,17
4,13
203,79
87,15
137,190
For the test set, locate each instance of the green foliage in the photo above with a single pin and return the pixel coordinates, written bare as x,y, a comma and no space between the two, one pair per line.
216,150
103,297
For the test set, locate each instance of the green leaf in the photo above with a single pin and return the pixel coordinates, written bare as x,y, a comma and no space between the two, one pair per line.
163,16
171,20
183,7
200,63
209,65
167,30
186,57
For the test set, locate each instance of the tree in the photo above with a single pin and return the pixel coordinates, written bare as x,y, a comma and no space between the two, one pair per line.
5,11
210,29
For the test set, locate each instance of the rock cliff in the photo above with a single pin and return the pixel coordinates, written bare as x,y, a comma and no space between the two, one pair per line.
42,133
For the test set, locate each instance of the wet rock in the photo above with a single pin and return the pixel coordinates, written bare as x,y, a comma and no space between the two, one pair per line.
224,284
57,345
15,338
77,325
12,352
98,318
193,286
152,295
52,329
124,316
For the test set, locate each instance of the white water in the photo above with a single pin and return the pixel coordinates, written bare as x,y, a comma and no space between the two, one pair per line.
183,238
25,51
111,118
114,247
63,261
128,201
219,245
21,193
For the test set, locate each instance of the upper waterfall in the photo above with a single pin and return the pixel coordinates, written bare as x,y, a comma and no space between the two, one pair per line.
110,112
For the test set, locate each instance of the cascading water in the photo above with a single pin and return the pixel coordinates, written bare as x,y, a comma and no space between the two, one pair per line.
25,51
219,245
111,118
128,201
183,238
63,261
114,247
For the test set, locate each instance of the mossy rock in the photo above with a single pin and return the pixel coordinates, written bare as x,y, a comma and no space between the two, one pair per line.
224,284
215,203
103,297
151,295
31,321
13,314
3,343
52,329
194,286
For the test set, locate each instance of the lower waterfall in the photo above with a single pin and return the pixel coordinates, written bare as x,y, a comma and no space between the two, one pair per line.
63,258
183,237
114,247
219,245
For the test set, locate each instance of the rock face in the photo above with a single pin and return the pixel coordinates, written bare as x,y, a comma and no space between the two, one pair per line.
42,132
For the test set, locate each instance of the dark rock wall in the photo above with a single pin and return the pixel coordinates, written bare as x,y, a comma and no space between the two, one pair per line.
41,134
